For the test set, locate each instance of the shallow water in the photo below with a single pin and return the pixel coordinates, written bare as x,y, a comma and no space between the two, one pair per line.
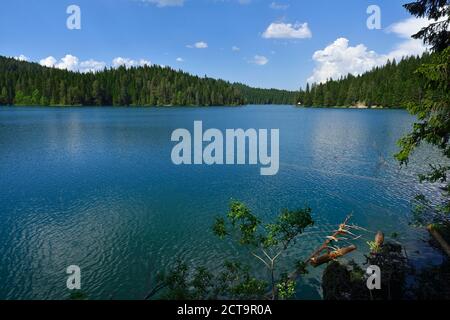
96,187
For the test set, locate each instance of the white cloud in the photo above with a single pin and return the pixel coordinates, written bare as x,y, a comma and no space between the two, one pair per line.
91,66
259,60
72,63
201,45
339,59
48,62
21,58
68,62
287,31
278,6
128,63
234,48
198,45
179,59
143,62
165,3
406,28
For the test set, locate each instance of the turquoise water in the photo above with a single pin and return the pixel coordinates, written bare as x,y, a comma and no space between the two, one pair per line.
96,187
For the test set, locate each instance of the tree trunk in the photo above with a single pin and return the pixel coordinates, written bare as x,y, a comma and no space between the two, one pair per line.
327,257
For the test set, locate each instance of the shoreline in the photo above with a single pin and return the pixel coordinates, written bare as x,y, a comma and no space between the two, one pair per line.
202,106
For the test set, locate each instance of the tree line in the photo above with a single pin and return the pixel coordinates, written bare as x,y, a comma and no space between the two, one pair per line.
22,83
267,96
25,83
393,85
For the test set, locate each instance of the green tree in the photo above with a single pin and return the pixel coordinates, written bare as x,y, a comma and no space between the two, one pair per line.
4,96
266,242
433,111
36,97
436,34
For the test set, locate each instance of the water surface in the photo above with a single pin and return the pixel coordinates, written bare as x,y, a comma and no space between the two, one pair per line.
96,187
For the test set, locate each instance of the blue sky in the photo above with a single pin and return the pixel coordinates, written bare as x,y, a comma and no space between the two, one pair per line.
280,44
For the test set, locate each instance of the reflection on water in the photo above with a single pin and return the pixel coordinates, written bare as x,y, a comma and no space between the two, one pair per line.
96,187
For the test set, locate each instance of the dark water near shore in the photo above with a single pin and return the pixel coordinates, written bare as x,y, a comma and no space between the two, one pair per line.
96,187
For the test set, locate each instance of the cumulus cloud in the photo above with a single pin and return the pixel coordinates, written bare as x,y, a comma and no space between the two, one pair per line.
48,62
68,62
179,59
128,63
165,3
91,65
339,58
287,31
72,63
21,58
259,60
198,45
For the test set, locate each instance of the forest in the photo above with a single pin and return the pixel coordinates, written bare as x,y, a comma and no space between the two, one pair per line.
393,85
25,83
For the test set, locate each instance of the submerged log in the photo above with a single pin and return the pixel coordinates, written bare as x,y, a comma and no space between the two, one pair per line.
438,237
327,257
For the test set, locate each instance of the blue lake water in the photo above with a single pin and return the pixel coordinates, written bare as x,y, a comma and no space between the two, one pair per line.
96,187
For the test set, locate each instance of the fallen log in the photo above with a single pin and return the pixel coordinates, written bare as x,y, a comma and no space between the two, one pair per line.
438,237
327,257
334,237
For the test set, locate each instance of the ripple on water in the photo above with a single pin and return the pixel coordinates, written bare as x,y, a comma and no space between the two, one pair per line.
97,188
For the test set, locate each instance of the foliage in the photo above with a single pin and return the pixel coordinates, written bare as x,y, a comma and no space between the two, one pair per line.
348,281
437,34
183,282
343,282
267,96
266,242
24,83
374,246
286,287
432,111
288,225
301,267
393,85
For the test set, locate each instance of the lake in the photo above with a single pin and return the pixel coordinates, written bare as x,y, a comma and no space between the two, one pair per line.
96,187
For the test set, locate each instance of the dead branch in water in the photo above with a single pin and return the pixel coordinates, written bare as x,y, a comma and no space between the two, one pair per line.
327,257
333,252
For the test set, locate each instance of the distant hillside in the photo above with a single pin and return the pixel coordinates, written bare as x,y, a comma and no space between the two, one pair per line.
25,83
267,96
392,85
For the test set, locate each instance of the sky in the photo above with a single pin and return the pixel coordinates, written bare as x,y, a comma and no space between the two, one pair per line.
269,44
